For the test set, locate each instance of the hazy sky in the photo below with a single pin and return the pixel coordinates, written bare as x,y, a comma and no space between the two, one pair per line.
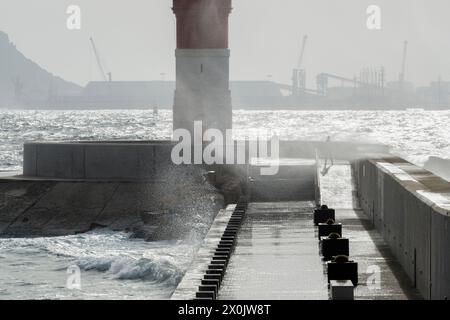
136,38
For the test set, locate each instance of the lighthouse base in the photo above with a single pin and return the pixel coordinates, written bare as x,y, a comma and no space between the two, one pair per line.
202,91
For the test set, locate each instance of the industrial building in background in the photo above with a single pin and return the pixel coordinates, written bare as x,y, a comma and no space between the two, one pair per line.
24,84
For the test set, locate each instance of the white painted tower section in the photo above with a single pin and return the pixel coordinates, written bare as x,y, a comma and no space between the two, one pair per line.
202,88
202,68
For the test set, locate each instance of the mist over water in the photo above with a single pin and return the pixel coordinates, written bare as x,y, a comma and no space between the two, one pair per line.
114,266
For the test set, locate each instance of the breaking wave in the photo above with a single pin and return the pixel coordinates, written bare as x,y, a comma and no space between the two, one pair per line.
112,253
127,268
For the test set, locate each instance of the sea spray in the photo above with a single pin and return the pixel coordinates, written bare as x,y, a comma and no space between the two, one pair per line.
158,270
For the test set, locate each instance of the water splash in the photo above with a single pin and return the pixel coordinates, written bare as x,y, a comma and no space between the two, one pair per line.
36,268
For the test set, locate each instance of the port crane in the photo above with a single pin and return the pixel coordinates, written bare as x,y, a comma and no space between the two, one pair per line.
107,76
299,74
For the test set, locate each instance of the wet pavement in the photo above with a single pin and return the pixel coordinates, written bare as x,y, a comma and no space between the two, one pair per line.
277,253
276,256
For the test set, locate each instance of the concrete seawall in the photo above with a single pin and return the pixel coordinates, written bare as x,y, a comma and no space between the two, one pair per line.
97,161
73,187
145,160
410,207
172,208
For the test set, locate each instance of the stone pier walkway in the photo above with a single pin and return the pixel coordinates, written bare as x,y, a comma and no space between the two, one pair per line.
276,256
277,253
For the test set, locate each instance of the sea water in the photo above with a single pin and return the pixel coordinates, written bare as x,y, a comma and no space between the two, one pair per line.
114,266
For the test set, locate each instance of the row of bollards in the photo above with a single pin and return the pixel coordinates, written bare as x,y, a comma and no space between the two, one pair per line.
212,279
342,272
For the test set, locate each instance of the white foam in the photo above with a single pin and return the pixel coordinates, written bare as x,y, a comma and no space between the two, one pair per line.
113,253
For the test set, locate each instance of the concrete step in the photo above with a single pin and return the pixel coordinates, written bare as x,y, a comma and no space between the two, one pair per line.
282,190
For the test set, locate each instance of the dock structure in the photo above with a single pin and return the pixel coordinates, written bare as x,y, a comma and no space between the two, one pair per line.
276,256
392,216
271,249
277,252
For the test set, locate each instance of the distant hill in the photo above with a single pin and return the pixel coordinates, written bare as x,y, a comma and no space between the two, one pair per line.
24,82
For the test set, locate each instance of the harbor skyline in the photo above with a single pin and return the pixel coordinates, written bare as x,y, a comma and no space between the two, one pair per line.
323,175
138,43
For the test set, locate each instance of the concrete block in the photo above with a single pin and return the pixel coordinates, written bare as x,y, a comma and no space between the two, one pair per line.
227,242
209,288
214,276
65,161
225,245
222,262
205,295
326,229
211,282
219,266
217,272
228,238
117,161
342,290
343,271
322,215
30,159
334,247
223,258
230,233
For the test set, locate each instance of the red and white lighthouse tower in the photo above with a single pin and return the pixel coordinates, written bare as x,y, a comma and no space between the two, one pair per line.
202,66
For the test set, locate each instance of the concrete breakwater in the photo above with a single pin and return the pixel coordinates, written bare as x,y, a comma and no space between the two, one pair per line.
410,207
69,188
154,210
149,160
271,250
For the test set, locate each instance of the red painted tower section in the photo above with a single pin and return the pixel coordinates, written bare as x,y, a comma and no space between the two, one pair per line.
202,66
202,24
